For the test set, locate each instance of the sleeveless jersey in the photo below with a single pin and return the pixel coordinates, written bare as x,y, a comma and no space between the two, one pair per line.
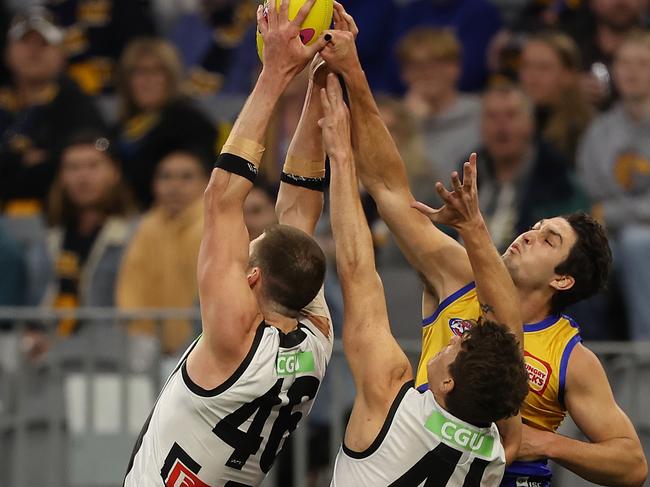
420,444
547,348
229,436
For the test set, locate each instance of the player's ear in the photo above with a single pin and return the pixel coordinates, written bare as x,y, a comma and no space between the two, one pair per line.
253,276
447,385
562,283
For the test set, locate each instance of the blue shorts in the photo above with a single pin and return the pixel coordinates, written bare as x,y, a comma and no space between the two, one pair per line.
524,481
528,474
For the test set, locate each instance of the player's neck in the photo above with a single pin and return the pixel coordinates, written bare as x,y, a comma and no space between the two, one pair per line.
283,323
535,305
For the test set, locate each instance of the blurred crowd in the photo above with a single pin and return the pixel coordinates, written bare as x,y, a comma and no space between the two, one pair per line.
112,113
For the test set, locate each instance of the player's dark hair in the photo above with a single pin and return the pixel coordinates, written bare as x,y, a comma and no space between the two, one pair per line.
490,378
588,262
292,266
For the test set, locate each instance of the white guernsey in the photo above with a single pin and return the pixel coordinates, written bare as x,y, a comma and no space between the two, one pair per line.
420,443
230,436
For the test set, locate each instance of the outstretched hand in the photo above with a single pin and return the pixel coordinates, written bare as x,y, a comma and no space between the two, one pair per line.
284,52
461,208
340,51
336,122
343,21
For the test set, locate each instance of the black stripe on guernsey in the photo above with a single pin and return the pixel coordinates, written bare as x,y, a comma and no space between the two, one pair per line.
385,427
145,427
475,474
237,165
315,184
138,444
436,467
293,338
224,386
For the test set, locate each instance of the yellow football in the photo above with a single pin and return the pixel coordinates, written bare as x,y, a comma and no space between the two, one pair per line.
318,20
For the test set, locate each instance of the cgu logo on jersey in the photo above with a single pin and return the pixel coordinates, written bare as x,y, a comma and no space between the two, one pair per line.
460,435
295,363
180,470
539,373
459,326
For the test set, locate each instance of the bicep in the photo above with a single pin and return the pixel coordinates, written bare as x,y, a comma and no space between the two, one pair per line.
510,431
228,305
441,260
590,401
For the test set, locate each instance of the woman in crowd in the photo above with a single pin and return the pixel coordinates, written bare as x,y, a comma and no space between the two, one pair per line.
550,76
154,116
90,213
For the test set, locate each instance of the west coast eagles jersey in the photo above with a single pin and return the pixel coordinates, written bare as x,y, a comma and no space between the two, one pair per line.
420,444
547,348
229,436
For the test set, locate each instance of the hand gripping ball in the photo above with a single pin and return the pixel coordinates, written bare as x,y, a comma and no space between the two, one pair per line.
318,20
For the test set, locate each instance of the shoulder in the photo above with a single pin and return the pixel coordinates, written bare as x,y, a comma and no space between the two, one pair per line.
146,227
611,119
583,366
118,230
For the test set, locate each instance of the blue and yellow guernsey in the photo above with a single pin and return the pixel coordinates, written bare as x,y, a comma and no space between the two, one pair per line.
548,345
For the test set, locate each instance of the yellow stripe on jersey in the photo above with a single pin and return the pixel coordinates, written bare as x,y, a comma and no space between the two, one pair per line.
548,345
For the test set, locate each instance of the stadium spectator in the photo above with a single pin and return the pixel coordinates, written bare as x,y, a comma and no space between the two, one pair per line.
38,111
520,180
599,30
154,116
538,15
95,33
614,164
259,209
208,41
159,267
475,22
91,218
550,76
403,127
449,121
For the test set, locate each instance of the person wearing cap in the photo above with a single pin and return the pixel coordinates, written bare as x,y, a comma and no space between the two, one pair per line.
39,110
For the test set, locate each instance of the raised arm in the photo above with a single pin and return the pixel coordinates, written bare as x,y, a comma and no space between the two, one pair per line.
496,292
440,259
300,199
228,307
379,366
613,454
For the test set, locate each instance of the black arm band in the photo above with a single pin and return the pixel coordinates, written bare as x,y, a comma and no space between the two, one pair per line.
315,184
237,165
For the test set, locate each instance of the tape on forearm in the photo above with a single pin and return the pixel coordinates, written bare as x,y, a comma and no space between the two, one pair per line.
305,174
244,148
306,169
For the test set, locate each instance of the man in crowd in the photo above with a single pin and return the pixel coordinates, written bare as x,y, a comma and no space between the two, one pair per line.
38,112
614,165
